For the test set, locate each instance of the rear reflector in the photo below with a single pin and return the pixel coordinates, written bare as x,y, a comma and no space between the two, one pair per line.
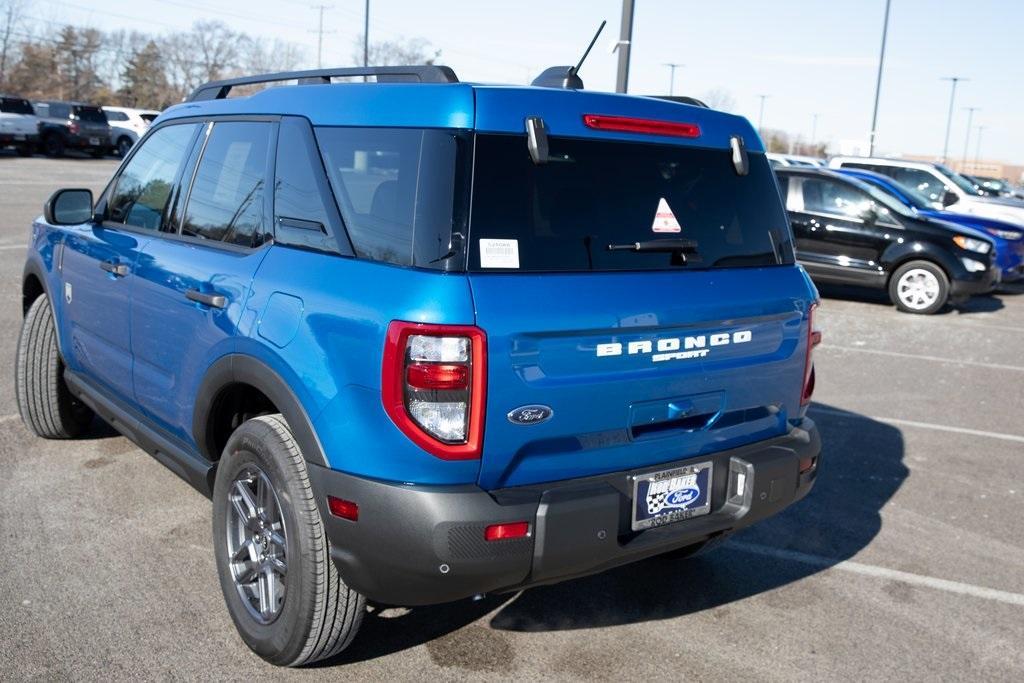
628,124
500,532
345,509
437,376
813,339
807,464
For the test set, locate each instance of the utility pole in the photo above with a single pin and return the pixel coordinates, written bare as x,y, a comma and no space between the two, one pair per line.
760,116
967,139
878,83
949,121
814,129
977,149
320,36
366,35
623,46
672,76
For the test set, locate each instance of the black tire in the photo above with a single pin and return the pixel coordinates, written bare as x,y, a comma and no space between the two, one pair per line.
124,145
927,306
44,400
319,615
25,150
53,146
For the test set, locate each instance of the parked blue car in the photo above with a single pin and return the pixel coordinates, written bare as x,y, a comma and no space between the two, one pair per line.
423,340
1008,238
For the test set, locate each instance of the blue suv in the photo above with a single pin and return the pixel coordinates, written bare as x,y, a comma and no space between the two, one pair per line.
421,340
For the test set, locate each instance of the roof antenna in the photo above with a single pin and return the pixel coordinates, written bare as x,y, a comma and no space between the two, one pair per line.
566,77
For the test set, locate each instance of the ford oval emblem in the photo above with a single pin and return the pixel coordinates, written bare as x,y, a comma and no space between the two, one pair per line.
530,415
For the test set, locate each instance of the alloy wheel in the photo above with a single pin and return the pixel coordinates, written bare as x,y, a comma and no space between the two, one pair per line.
918,289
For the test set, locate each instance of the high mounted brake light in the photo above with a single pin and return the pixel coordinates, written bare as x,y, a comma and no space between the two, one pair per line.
813,339
628,124
433,386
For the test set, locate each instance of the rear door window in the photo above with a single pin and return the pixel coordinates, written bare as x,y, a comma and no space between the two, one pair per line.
140,196
583,209
90,114
227,201
14,105
833,198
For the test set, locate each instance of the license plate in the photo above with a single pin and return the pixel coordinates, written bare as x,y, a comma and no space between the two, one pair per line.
19,137
94,141
668,496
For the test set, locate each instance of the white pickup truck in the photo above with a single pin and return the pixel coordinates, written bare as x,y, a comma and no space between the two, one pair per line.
19,127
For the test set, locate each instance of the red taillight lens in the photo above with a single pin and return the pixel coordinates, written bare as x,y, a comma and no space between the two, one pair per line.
437,376
73,128
433,386
345,509
813,339
500,532
628,124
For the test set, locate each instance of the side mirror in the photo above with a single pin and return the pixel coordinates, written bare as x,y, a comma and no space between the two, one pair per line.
949,198
69,206
869,215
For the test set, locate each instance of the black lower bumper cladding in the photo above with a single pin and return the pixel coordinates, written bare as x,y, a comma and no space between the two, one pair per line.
421,545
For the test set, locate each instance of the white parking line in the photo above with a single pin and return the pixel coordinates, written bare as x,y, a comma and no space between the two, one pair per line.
920,321
914,356
881,573
6,247
925,425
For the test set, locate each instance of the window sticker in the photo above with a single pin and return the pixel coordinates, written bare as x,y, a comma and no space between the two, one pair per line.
664,219
499,253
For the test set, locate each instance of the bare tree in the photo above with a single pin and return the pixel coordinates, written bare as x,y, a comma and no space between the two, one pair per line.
401,52
11,19
720,99
144,81
259,55
216,47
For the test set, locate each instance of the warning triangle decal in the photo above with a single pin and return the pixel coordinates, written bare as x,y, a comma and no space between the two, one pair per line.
664,219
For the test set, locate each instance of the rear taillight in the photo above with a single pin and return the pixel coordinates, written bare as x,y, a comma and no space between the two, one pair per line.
433,386
813,339
73,128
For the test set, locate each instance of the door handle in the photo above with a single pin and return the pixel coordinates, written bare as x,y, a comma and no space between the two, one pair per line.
211,300
115,269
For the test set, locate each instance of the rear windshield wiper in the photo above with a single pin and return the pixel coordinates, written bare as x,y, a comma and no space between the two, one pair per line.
683,251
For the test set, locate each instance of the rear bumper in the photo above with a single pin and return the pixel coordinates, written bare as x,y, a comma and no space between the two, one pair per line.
976,283
421,545
18,140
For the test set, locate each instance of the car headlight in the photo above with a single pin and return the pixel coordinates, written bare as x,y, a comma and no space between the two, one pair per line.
1005,234
971,244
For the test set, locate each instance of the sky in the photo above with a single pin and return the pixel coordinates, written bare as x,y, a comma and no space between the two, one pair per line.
810,57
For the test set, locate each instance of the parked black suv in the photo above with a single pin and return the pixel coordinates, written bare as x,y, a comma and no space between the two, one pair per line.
72,125
849,232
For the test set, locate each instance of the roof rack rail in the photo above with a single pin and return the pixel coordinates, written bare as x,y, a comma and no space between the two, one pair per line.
427,73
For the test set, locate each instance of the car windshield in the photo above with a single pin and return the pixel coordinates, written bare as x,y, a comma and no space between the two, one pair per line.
605,205
14,105
958,180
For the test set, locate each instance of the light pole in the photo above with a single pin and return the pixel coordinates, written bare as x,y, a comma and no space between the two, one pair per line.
623,46
878,83
672,76
814,130
949,120
760,116
977,148
967,139
366,35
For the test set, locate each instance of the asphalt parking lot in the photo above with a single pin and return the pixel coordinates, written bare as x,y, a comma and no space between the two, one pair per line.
905,563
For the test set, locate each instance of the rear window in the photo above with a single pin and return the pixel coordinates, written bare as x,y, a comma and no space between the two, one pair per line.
400,192
90,114
591,195
148,118
13,105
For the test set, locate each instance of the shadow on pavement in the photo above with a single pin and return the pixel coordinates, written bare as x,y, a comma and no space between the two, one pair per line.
862,467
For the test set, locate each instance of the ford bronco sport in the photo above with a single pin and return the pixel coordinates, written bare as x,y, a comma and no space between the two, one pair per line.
421,340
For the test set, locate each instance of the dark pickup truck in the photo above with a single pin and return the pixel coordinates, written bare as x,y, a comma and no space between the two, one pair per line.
72,125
